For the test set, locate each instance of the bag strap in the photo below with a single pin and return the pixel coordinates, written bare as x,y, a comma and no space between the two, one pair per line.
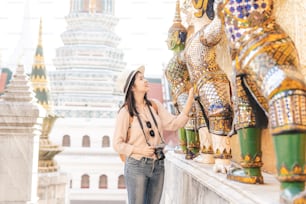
154,106
128,134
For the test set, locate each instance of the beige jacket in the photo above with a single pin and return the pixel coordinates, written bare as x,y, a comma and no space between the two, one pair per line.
164,119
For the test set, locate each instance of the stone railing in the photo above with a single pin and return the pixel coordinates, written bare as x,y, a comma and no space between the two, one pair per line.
187,181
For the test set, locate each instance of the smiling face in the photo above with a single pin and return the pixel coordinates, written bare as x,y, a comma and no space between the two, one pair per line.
140,85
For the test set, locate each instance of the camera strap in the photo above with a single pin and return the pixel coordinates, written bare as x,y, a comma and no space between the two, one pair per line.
155,123
163,142
141,125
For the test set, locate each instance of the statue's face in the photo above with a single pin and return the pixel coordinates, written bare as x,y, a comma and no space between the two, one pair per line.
200,8
173,40
176,38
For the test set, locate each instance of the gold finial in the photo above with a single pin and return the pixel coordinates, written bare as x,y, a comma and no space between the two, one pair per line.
92,6
177,16
177,25
40,32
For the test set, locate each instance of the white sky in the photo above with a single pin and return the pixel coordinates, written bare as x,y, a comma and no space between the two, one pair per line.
142,27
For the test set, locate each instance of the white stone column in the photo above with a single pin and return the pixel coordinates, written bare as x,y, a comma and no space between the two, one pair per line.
20,127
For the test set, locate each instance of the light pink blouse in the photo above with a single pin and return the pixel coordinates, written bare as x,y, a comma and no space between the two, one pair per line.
164,119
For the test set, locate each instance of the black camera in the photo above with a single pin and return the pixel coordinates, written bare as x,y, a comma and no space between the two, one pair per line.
158,151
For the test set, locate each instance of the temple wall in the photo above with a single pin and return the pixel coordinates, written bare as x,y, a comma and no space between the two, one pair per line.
290,14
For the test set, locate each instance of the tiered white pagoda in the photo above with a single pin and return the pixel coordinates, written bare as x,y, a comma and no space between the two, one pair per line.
84,95
88,63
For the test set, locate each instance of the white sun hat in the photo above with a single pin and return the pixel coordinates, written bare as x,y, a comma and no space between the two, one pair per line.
126,78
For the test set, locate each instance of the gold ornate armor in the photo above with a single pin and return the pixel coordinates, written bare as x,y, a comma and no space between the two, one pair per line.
267,71
212,83
178,77
212,86
267,59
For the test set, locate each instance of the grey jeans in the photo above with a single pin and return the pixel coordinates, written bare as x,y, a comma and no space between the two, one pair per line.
144,180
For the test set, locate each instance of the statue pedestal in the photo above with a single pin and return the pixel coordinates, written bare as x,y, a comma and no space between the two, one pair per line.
188,181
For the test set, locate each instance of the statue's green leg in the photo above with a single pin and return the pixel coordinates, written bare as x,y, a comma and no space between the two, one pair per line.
193,144
291,166
288,126
250,146
182,140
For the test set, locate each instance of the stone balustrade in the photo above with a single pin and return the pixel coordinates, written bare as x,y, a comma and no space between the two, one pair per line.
187,181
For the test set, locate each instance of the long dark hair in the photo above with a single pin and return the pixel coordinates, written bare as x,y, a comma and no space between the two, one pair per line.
129,100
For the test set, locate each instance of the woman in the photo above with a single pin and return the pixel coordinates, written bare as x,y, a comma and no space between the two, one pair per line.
144,166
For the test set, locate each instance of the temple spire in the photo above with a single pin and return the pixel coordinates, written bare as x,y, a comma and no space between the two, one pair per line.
40,33
177,21
40,85
39,75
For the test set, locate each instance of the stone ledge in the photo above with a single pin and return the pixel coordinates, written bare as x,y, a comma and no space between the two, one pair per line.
187,181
